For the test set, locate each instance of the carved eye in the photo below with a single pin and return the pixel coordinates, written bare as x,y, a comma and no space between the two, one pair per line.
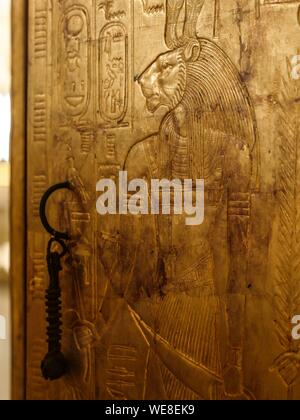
165,65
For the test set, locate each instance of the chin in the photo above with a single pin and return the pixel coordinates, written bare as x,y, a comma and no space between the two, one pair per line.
152,106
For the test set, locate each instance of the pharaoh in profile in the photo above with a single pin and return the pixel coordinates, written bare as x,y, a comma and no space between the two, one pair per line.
209,132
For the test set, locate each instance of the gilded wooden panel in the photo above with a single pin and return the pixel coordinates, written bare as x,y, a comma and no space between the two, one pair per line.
168,89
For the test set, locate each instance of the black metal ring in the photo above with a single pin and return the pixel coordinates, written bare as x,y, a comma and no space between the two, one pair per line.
59,242
57,235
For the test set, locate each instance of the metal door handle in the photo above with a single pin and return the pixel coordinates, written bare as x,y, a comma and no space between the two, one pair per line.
54,365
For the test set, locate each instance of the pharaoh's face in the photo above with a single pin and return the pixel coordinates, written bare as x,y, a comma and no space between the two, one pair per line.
163,83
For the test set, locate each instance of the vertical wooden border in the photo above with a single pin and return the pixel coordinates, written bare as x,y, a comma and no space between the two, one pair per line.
18,197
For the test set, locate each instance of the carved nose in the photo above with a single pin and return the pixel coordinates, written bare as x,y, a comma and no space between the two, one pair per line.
142,80
145,79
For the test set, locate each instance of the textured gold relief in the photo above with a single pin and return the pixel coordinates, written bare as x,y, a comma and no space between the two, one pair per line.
205,96
113,9
168,89
113,72
287,290
153,6
75,62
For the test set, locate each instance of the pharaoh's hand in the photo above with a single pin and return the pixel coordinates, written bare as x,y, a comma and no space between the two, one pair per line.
85,333
83,337
219,394
288,365
233,378
233,388
76,181
233,381
86,336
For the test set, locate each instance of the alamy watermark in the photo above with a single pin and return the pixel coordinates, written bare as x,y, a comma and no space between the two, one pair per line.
138,197
295,62
296,329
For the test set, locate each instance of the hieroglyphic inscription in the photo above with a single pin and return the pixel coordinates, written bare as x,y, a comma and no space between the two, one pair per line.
86,130
75,61
81,217
113,58
110,168
39,105
40,34
37,283
120,375
39,129
40,118
39,187
111,147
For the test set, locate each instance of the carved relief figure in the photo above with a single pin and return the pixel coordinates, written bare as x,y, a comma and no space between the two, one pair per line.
208,133
169,270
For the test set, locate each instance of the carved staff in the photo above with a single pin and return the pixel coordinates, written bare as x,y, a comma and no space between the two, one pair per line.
257,9
216,19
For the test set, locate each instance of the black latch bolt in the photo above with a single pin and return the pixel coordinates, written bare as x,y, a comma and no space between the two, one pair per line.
54,366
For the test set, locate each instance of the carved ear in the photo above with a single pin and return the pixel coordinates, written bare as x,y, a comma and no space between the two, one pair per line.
192,50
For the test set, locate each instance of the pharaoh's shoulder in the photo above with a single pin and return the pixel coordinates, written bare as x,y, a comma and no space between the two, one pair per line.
142,159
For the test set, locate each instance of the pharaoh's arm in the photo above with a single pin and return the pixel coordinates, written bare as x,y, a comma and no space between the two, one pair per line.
121,239
239,207
117,245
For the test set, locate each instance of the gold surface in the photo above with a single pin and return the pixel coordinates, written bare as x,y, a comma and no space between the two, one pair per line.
154,309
